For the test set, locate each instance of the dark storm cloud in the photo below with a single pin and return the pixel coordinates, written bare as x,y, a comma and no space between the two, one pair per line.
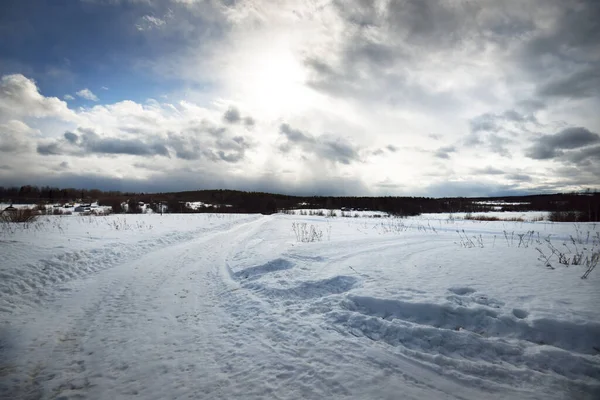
390,148
531,105
429,24
575,32
207,141
185,148
232,115
377,70
566,51
490,122
189,145
584,156
122,146
230,157
337,82
553,146
488,171
497,132
444,152
543,153
90,142
232,150
514,116
378,55
200,129
383,46
498,144
494,142
49,149
238,144
484,122
216,131
333,149
585,83
366,79
71,137
338,150
570,138
361,13
519,177
295,135
323,70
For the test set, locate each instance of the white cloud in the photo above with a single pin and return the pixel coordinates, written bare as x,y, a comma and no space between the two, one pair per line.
20,97
185,138
109,140
68,97
87,94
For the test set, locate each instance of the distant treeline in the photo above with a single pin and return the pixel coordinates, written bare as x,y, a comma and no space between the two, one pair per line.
565,206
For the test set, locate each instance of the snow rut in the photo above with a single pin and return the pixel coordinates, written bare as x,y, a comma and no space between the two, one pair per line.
458,332
479,341
303,290
581,338
256,272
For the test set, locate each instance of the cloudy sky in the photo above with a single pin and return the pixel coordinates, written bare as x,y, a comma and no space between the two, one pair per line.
355,97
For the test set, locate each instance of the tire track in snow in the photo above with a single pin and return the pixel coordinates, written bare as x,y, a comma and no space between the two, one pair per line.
80,343
477,343
27,286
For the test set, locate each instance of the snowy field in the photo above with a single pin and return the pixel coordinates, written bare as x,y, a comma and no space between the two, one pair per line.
528,216
336,213
297,307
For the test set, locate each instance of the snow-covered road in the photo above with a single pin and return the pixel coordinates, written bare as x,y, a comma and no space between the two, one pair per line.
167,307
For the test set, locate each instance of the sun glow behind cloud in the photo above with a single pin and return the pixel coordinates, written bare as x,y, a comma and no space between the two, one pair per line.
268,78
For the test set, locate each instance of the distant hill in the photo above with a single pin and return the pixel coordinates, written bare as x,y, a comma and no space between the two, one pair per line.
586,206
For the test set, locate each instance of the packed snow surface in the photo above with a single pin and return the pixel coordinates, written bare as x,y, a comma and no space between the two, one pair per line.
297,307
